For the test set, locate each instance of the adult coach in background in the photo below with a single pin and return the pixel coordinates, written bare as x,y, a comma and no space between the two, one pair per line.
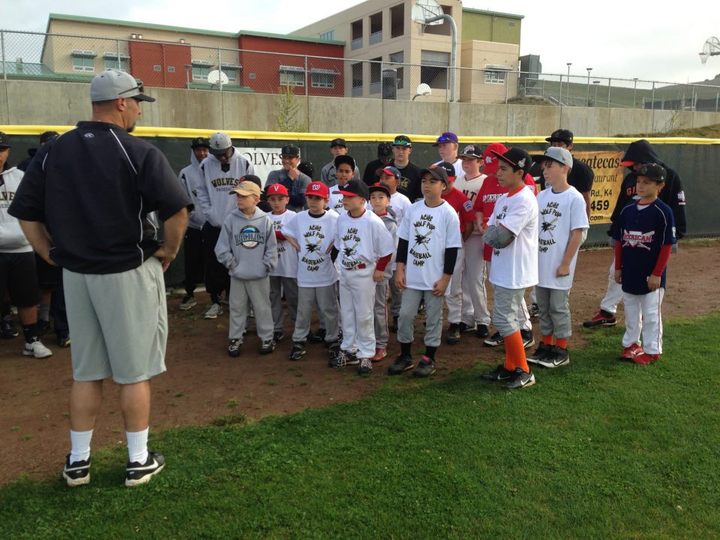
291,177
92,190
581,176
638,154
409,183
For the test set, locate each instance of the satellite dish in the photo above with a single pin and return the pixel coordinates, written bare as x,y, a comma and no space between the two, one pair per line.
217,77
423,10
423,89
710,48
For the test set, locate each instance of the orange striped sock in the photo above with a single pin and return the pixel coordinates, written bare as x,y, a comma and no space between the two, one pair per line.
562,343
515,352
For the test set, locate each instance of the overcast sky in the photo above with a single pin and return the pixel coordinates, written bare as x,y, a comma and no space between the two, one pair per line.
653,40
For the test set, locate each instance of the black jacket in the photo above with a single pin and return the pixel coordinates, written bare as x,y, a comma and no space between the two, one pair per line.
672,193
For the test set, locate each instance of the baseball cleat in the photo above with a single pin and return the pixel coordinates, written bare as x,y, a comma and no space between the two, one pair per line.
365,367
401,364
213,311
645,358
629,353
601,319
543,351
380,353
520,379
188,302
234,348
498,374
556,357
494,341
425,367
298,351
267,346
527,337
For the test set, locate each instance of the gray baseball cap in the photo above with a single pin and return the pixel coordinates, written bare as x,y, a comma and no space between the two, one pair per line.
561,155
115,84
219,143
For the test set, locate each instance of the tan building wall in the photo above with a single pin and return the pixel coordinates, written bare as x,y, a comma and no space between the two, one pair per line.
491,78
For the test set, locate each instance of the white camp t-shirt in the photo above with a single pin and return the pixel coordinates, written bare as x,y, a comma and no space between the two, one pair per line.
362,240
399,204
559,215
335,203
428,232
287,265
315,236
516,265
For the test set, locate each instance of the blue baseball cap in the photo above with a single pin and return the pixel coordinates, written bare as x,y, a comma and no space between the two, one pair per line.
447,137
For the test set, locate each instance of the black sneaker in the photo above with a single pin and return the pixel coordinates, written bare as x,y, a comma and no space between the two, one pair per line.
520,379
494,341
333,352
63,340
234,348
188,302
527,337
534,311
76,473
344,358
278,336
401,364
556,358
482,331
365,367
317,337
498,374
141,473
425,367
541,353
8,330
267,346
466,328
453,334
298,350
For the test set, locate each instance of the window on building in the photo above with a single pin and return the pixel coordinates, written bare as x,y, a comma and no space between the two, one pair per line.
328,36
357,79
323,78
434,70
111,60
292,76
356,34
375,75
495,74
200,70
232,71
375,28
83,60
398,58
439,29
397,21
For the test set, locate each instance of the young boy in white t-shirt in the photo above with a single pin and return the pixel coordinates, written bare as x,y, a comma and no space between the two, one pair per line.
562,221
312,233
429,240
344,172
364,250
283,279
512,232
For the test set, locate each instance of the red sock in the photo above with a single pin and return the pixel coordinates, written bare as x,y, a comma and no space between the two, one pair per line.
547,340
562,343
515,353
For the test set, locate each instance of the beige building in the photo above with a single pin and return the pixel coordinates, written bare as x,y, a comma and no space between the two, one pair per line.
380,34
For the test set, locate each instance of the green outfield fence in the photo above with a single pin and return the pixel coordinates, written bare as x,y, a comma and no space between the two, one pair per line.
697,161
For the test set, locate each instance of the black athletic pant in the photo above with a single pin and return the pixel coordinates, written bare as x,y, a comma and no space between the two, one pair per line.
217,278
194,259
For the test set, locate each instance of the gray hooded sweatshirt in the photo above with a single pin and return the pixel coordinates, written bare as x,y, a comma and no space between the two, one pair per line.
190,177
247,246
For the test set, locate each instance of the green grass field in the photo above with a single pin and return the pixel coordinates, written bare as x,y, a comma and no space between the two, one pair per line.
598,449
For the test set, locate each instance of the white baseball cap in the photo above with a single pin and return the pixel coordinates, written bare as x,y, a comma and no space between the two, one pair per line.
219,142
114,84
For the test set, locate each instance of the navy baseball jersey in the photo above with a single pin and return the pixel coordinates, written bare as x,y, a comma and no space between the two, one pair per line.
643,230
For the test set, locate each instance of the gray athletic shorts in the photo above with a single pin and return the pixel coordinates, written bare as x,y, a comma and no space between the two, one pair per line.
118,323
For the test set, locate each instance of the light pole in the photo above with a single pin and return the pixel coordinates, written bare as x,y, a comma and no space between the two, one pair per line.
588,86
596,83
635,80
568,83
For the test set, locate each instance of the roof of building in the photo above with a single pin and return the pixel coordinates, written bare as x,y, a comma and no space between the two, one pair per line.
180,29
494,13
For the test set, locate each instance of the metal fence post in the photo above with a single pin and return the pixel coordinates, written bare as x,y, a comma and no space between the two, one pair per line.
308,77
652,115
609,87
220,83
117,49
2,53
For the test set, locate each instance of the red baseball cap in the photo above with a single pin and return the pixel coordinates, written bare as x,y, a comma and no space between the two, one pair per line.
489,159
276,189
317,188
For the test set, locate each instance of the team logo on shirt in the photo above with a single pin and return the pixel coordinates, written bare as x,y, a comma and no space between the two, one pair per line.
423,228
549,215
637,239
350,241
314,256
249,237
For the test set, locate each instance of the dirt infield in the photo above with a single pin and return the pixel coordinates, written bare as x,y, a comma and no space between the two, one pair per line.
203,384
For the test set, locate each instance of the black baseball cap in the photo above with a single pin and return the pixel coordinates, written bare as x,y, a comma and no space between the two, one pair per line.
402,140
251,178
200,142
379,187
561,135
4,140
472,151
517,157
449,169
354,188
438,173
290,150
344,159
48,136
338,142
653,171
384,150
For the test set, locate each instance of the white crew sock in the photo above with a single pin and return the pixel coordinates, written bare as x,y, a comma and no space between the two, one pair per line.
137,445
80,445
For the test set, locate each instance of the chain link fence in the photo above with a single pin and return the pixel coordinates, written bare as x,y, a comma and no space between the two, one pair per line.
53,57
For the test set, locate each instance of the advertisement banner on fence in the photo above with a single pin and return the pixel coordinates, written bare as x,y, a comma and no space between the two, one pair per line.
606,186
